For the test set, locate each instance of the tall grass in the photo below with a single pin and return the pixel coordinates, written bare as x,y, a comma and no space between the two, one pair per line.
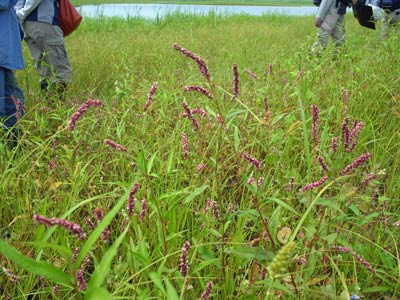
235,216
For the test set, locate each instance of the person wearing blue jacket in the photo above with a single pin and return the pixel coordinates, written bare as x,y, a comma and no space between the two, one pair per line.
11,96
45,41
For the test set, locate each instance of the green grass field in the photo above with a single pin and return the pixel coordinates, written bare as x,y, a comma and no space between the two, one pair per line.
280,181
200,2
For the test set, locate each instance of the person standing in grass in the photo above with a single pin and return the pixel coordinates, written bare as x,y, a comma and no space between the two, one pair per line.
11,96
46,45
331,23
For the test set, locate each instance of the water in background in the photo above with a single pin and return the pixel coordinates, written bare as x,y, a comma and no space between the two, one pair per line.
153,11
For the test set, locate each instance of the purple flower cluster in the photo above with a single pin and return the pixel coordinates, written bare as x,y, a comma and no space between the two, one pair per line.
84,107
315,184
150,96
315,123
115,145
323,164
130,204
357,256
207,292
200,167
73,228
252,74
236,81
99,215
183,259
357,162
199,89
143,210
255,162
215,210
334,144
301,73
199,61
367,180
349,135
190,116
220,121
80,280
185,146
11,275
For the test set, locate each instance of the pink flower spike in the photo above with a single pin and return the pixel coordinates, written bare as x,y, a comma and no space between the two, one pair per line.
130,205
199,89
190,116
115,145
150,96
185,146
143,210
183,259
236,81
80,280
14,278
214,205
200,62
255,162
200,167
315,123
356,163
252,74
84,107
207,292
315,184
323,164
220,121
73,228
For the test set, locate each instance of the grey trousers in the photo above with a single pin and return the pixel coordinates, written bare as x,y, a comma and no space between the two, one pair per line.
390,20
47,48
333,27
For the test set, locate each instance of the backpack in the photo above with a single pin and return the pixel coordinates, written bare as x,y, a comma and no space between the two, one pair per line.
317,2
389,4
345,2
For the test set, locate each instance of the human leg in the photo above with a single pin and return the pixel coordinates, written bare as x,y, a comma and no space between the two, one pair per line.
339,33
14,100
11,106
34,38
325,32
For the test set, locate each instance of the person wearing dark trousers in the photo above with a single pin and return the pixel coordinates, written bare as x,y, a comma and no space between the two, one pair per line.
11,96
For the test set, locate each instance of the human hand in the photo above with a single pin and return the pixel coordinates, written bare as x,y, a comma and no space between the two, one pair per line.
318,22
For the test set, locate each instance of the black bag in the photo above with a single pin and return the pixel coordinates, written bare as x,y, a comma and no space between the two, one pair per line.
344,2
389,4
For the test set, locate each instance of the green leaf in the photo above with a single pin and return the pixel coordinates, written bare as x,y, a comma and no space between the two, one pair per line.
41,268
330,204
155,278
283,204
150,163
195,193
375,289
94,236
103,269
250,253
206,253
97,293
171,292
